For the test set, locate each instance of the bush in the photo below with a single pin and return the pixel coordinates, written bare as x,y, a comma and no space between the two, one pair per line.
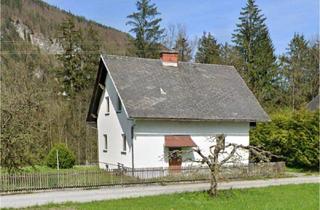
65,156
292,135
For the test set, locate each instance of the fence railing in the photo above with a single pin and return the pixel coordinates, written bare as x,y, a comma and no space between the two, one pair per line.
86,179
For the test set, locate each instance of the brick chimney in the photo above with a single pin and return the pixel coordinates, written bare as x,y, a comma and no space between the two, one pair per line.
169,58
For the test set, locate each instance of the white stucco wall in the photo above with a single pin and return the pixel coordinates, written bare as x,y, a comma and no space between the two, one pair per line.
114,125
149,139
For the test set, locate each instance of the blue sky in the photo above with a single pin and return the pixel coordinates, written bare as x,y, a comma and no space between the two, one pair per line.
284,17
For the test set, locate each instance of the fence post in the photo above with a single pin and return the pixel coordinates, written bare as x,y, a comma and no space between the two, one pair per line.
111,172
58,185
57,156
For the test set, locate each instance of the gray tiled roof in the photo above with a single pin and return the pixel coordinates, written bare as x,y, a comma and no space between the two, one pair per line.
190,91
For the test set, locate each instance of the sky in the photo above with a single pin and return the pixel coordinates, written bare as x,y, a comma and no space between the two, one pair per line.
219,17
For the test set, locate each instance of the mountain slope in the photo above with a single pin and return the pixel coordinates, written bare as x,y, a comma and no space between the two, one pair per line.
34,115
43,20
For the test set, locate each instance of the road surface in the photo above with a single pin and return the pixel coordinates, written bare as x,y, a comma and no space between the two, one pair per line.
106,193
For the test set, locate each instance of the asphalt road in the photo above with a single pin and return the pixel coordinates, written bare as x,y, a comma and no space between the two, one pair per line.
107,193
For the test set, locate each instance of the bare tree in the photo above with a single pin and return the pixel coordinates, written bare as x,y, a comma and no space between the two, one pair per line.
221,154
176,37
170,36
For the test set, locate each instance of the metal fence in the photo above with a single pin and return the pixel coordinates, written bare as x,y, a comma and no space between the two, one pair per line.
125,176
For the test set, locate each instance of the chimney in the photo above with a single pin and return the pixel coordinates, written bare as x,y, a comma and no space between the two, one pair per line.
169,58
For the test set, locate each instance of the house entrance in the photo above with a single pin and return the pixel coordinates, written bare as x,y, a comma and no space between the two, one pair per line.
175,159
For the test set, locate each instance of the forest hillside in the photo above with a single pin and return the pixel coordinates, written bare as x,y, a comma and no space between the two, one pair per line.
34,113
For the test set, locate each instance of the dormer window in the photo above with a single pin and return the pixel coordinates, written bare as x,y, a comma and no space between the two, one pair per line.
119,105
107,105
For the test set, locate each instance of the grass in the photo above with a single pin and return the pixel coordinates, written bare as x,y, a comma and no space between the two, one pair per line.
286,197
302,171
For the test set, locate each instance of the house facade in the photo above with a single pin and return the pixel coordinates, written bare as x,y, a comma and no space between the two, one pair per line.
144,109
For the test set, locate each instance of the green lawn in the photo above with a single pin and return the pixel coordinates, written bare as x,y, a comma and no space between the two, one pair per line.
303,171
290,197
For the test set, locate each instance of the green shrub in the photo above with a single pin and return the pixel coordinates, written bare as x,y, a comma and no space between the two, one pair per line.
294,135
65,156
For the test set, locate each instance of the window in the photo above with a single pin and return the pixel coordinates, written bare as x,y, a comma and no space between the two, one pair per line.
124,144
105,143
132,131
119,106
107,105
253,124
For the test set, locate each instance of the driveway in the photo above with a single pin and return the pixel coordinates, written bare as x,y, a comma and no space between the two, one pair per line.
82,195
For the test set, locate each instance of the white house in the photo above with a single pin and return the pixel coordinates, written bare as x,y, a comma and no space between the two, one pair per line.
143,108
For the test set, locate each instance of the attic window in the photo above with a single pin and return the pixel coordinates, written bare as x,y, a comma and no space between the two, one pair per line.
119,105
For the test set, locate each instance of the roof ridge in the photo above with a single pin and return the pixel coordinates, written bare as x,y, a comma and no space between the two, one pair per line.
124,56
157,59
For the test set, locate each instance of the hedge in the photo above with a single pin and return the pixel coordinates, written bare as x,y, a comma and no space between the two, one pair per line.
294,135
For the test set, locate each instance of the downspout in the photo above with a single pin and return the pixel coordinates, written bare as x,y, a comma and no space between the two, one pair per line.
132,148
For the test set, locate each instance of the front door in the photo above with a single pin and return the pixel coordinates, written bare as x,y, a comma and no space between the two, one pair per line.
175,159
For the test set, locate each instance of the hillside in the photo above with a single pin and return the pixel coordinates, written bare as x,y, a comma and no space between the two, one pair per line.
34,114
43,20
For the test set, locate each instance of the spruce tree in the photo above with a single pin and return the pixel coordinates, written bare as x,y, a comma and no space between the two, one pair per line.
91,55
72,74
314,52
255,46
208,50
147,30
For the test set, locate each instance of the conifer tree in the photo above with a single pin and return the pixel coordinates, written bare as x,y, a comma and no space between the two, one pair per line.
255,46
146,27
314,52
230,56
91,54
183,47
208,50
72,75
301,69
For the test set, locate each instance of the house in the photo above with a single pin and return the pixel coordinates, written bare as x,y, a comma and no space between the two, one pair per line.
144,108
314,105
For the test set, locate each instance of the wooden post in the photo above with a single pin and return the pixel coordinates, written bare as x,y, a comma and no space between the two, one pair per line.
57,155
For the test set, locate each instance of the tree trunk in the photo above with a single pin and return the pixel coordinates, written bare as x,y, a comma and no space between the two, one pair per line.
213,191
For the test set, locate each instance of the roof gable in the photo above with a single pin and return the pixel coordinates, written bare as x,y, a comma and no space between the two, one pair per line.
188,92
